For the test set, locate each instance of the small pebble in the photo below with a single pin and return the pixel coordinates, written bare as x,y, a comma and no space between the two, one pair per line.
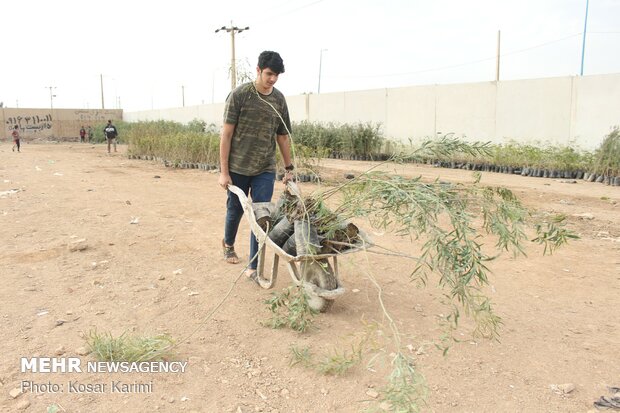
372,393
566,388
82,351
15,392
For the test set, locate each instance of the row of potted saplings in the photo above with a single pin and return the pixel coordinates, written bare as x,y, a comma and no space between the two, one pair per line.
176,164
607,179
208,167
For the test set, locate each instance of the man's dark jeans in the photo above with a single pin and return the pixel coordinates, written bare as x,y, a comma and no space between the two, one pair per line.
260,188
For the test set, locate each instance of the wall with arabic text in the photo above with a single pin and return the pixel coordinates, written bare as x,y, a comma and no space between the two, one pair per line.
53,124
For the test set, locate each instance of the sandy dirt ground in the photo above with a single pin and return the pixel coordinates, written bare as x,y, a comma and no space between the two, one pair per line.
164,273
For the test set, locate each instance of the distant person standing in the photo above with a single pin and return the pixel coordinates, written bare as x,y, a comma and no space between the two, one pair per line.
90,133
82,134
110,133
15,135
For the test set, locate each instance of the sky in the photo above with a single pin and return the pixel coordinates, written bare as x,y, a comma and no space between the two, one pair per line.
162,53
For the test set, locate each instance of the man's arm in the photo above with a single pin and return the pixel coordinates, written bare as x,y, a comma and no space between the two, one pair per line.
285,148
225,141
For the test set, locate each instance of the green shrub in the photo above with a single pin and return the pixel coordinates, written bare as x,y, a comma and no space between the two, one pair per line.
360,140
194,142
606,159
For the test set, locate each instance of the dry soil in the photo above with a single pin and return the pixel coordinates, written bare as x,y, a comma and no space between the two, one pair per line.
164,272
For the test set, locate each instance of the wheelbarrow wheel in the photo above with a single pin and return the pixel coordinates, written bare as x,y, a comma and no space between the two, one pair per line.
321,274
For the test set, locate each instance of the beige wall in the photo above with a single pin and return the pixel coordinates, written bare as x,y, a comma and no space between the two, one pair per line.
54,124
563,110
411,112
538,109
592,115
467,109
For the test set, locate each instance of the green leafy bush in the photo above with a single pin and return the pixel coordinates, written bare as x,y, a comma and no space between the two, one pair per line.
358,141
194,142
607,156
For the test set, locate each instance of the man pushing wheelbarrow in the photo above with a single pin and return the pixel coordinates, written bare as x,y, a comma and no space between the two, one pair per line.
255,120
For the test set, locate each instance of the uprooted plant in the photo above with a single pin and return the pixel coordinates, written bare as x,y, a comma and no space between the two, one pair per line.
442,217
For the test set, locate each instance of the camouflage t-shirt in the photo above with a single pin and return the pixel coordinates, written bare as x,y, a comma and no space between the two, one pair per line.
253,146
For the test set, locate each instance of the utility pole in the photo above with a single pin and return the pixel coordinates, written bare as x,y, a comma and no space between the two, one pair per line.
183,94
583,45
320,67
52,96
498,53
233,69
101,79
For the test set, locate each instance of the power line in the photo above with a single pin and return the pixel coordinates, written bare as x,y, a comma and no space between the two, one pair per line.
541,45
461,64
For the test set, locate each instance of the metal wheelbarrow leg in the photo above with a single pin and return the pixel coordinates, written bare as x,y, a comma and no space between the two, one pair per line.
318,277
260,268
319,280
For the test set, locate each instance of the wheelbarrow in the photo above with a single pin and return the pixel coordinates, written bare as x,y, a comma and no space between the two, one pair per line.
315,273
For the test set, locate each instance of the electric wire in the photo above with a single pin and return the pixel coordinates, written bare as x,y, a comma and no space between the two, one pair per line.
460,64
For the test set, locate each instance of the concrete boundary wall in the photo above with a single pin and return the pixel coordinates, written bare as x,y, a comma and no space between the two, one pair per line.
564,110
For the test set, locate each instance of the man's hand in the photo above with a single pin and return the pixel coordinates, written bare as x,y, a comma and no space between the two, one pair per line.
224,180
288,176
